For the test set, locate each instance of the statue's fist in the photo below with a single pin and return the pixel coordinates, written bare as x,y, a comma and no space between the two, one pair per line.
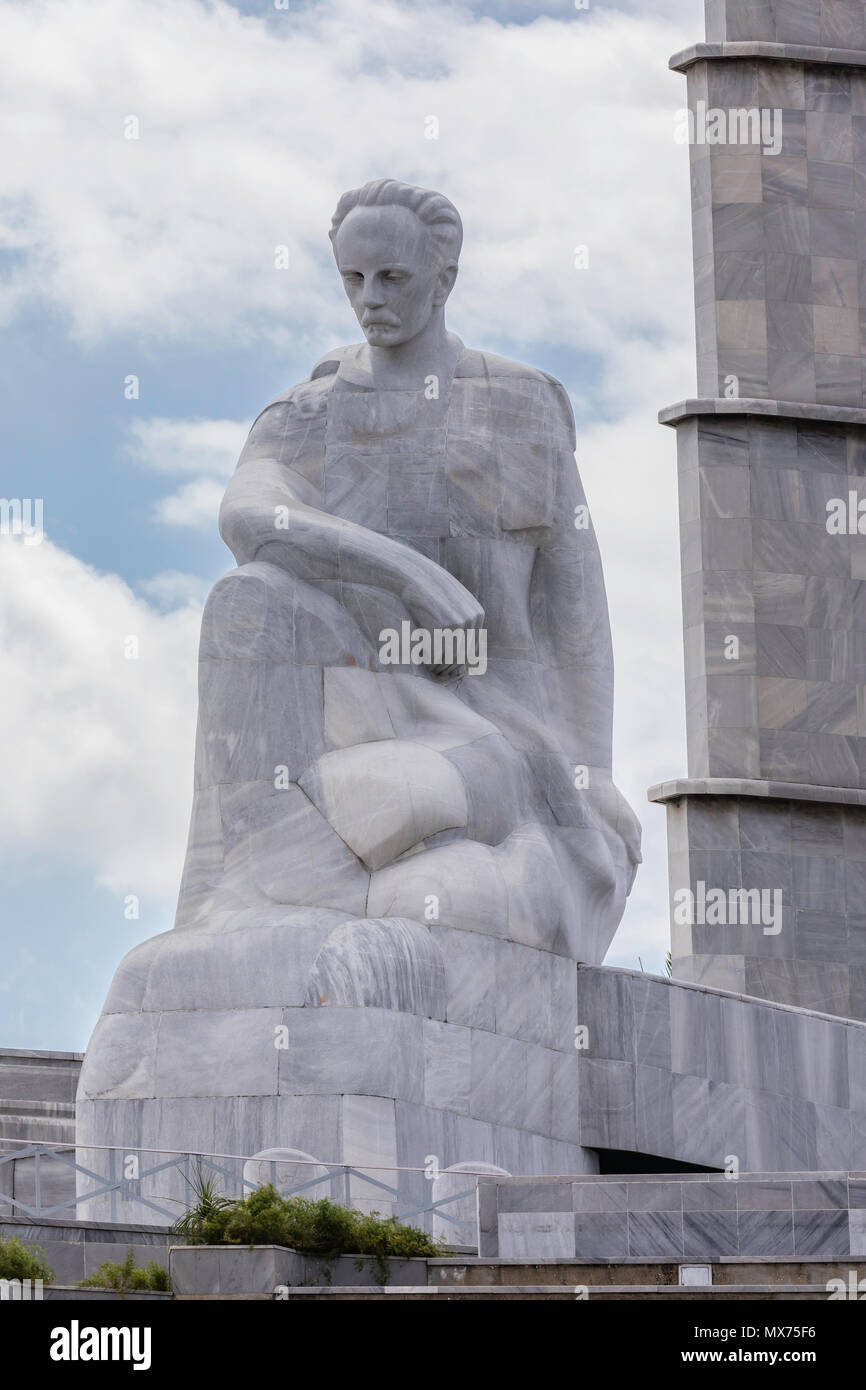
450,612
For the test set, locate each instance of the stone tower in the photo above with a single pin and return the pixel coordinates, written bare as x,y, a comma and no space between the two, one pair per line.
772,470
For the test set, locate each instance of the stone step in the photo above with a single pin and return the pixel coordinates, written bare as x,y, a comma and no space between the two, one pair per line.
658,1273
32,1105
33,1124
47,1076
552,1293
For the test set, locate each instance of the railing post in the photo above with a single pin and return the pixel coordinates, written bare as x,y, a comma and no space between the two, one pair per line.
37,1177
112,1177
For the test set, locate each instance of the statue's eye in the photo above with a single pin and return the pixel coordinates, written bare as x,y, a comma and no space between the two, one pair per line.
394,276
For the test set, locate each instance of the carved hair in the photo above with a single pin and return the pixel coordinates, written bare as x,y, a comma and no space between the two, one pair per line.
438,214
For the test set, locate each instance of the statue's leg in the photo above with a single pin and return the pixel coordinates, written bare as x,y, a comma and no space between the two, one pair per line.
255,838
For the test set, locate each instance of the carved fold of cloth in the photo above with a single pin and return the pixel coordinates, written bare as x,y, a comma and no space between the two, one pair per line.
327,779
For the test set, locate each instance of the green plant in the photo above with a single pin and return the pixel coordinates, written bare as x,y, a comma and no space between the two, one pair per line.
669,965
321,1228
202,1223
19,1261
128,1276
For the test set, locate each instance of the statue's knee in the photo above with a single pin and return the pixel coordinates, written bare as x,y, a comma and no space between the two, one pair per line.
248,614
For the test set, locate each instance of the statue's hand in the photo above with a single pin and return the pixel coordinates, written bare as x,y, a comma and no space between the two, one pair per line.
445,605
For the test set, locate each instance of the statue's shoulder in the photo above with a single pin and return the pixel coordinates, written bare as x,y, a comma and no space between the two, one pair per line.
550,394
329,363
308,398
480,362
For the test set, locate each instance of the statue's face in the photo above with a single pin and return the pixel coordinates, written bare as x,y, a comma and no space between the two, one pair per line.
390,273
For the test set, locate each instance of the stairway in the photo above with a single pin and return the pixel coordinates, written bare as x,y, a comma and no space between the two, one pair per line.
731,1279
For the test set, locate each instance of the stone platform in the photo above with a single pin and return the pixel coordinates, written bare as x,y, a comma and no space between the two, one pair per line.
681,1072
688,1216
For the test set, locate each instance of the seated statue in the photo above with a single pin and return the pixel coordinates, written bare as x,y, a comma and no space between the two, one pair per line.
404,828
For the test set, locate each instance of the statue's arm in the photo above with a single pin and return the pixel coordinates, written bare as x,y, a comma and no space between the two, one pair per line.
572,631
268,513
568,573
569,603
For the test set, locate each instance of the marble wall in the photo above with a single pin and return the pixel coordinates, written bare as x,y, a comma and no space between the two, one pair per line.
409,1086
706,1076
778,236
813,855
837,24
688,1217
774,599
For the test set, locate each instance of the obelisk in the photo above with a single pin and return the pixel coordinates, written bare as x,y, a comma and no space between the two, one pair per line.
771,459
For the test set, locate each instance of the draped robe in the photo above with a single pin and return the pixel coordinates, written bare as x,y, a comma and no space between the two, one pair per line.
502,781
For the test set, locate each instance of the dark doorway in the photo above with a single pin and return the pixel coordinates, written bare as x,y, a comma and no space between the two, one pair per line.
625,1161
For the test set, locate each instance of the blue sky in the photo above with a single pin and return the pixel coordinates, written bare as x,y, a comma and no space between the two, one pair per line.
154,257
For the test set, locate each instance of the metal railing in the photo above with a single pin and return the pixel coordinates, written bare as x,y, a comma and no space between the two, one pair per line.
39,1169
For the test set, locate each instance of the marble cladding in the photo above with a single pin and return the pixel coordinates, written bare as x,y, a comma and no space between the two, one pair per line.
37,1104
812,856
773,606
675,1070
712,1078
779,226
692,1216
29,1078
774,602
822,23
774,614
409,1087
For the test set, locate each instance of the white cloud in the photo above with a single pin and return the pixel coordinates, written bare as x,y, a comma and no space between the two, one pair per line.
195,504
203,447
99,748
175,589
687,12
552,134
208,448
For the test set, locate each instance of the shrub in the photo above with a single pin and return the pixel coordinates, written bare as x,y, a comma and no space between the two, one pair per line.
128,1276
322,1227
19,1261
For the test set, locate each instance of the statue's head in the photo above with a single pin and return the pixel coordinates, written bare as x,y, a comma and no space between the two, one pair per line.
396,247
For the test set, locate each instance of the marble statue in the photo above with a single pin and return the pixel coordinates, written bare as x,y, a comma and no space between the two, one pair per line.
404,829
